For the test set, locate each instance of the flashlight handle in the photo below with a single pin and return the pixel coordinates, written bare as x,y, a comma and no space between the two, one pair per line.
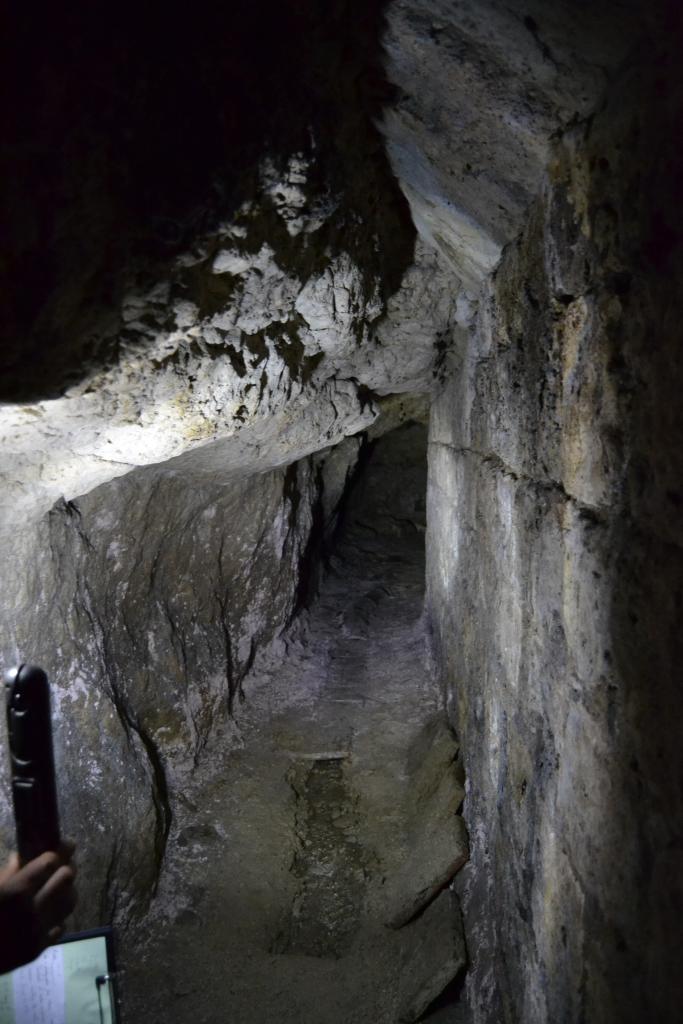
34,790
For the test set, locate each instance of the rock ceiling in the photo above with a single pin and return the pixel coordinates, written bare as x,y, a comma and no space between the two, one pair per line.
274,326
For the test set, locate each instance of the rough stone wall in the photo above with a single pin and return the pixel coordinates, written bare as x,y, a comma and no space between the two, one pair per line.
483,87
555,579
147,601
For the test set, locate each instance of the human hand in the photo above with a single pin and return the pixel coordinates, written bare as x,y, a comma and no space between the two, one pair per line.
34,900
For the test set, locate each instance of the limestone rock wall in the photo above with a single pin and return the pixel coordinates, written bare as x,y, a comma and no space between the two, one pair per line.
482,88
555,573
147,602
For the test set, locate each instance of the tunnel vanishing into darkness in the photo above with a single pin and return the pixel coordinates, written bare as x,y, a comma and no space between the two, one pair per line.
341,498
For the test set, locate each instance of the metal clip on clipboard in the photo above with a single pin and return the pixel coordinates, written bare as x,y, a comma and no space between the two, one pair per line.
100,981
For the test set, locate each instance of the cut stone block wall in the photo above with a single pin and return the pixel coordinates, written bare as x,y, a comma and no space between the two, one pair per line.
554,577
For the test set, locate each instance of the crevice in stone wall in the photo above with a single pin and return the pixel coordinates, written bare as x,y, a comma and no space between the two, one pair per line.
160,797
497,465
222,596
138,737
308,569
449,1007
353,479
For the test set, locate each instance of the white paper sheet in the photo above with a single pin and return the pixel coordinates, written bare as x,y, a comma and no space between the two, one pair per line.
39,996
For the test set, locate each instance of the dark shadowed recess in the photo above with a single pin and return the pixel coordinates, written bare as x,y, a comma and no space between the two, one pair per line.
130,127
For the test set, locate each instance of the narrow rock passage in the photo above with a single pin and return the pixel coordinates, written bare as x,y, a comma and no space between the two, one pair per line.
342,798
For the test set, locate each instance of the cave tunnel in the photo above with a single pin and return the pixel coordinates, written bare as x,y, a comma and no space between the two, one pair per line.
341,498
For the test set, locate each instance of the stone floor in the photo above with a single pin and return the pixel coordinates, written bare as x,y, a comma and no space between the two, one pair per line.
312,883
